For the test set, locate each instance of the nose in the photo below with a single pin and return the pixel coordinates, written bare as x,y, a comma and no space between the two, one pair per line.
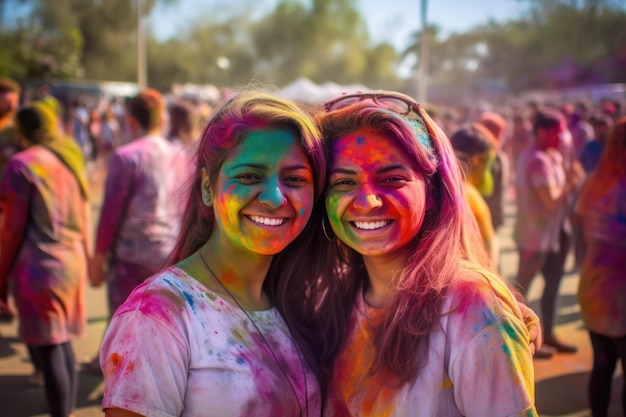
272,194
367,200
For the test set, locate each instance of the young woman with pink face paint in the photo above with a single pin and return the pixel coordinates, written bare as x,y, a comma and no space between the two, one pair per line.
223,332
414,323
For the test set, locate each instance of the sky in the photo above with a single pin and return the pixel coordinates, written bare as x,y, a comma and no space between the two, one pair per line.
387,20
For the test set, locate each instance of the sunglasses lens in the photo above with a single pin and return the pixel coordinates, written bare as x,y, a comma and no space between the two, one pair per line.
394,104
343,102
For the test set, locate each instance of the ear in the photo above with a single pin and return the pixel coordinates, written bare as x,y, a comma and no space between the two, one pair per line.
205,185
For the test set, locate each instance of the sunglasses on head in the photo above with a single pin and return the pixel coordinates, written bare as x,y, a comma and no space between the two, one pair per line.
397,103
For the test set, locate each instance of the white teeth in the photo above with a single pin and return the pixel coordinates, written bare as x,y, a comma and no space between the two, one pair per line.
268,221
372,225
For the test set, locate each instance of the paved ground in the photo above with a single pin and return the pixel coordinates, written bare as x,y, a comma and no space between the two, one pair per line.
560,382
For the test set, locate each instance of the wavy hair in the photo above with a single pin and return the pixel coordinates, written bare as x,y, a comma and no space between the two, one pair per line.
445,243
228,127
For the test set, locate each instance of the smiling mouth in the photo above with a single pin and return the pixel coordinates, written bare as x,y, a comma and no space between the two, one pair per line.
371,225
268,221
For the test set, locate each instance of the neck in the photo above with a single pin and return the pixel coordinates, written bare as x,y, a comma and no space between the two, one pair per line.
381,271
236,276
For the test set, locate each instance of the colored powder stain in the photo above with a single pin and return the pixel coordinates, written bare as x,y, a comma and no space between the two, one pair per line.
39,171
129,369
237,335
210,352
115,359
301,211
447,383
190,301
360,141
506,350
230,280
510,330
489,317
241,360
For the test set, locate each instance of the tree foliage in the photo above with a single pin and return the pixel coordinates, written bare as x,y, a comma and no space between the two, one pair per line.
557,43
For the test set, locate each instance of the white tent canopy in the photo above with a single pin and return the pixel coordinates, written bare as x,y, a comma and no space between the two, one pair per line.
306,91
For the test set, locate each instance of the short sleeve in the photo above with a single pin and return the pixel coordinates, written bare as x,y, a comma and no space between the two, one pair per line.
145,364
495,366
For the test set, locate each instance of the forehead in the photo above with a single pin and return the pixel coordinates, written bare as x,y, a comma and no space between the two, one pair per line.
366,145
265,145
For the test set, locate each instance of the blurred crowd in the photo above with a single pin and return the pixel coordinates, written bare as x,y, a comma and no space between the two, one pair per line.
539,155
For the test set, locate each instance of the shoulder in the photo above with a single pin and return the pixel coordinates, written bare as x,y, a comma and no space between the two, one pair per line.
481,298
164,296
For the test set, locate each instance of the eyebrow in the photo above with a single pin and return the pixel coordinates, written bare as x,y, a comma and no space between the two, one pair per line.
380,171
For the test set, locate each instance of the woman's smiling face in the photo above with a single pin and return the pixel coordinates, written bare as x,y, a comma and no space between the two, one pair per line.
376,200
264,194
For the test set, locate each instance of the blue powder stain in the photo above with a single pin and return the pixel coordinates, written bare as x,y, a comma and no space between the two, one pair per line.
301,212
489,317
240,361
189,300
506,350
360,141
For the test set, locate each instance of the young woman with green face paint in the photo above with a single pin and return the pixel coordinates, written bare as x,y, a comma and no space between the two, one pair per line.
413,320
224,331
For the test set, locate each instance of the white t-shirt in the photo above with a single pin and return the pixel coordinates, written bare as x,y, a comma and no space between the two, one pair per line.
536,228
175,348
477,364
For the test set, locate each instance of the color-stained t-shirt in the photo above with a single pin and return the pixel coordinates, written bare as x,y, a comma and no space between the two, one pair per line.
477,362
602,284
537,228
141,210
49,275
175,348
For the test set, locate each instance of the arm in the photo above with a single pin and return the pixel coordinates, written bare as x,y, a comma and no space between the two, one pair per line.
116,195
552,196
13,197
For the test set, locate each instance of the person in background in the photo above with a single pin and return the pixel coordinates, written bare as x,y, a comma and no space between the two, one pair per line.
110,137
602,285
140,214
544,190
413,321
475,147
520,139
9,103
590,154
45,244
499,170
224,332
578,125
